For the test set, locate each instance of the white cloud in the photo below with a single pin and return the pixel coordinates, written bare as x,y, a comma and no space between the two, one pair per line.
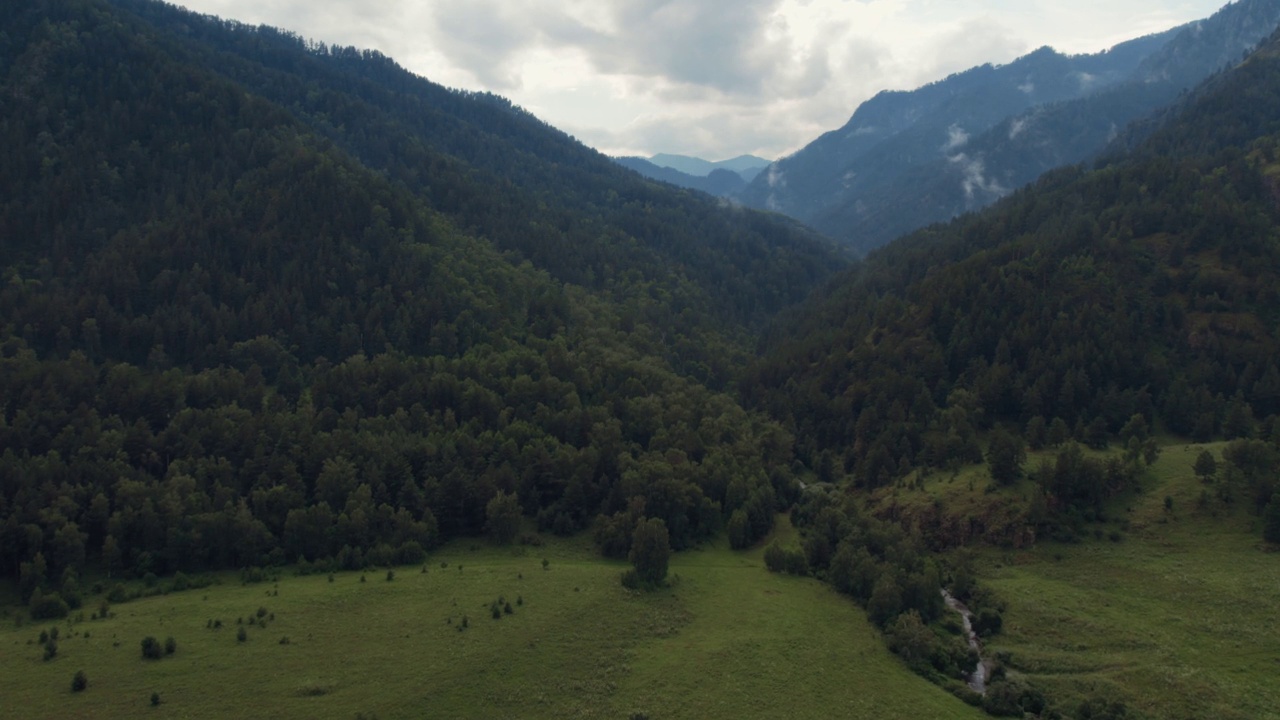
705,77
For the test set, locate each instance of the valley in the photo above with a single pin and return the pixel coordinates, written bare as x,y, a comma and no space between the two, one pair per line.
327,390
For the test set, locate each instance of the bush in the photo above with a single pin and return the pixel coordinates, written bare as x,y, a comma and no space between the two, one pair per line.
118,594
241,635
47,607
155,699
151,648
79,682
988,622
50,650
170,645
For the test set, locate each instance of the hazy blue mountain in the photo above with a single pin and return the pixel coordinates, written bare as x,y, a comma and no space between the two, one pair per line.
719,182
906,159
748,166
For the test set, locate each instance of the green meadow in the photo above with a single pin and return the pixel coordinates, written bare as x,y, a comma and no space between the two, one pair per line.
727,639
1176,615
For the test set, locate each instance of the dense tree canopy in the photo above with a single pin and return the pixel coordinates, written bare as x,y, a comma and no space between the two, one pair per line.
266,301
1146,288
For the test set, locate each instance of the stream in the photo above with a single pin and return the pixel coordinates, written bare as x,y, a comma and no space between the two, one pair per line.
978,678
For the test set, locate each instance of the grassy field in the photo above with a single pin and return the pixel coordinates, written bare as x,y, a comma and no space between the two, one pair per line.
727,640
1178,617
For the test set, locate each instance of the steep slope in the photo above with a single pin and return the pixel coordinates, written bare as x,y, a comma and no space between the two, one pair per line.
888,172
1146,287
1019,148
896,131
501,174
266,302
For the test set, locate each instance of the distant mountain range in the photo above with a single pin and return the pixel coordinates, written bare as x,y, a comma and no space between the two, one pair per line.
907,159
725,178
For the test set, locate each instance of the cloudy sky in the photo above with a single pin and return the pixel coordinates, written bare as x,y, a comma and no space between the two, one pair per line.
713,78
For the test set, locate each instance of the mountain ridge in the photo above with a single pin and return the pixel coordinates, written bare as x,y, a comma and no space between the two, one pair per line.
890,184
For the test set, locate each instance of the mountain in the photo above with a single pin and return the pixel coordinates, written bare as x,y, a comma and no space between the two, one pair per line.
724,179
267,300
1092,304
719,182
907,159
748,166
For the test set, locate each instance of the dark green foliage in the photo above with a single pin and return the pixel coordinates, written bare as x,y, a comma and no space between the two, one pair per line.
988,622
241,634
155,699
1252,463
650,552
391,575
1005,456
79,682
352,310
47,607
502,515
170,645
1206,466
886,601
1271,521
1012,698
791,561
50,649
1054,305
152,649
911,640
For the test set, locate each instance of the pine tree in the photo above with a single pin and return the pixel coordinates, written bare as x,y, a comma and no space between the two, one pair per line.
1271,521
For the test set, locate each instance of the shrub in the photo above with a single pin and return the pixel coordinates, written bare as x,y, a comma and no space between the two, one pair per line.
391,575
155,699
988,622
79,682
495,611
170,645
50,650
262,611
241,635
47,607
151,648
118,594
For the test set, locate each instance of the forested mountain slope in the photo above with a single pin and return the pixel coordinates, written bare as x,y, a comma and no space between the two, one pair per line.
876,179
264,301
1147,287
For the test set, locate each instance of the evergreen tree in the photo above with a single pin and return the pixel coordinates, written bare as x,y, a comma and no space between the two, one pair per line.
1206,466
503,517
650,551
1005,456
1271,521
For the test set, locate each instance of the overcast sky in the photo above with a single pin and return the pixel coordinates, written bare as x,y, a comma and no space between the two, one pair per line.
712,78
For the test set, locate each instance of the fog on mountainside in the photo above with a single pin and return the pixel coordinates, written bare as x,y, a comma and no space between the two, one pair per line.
906,159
